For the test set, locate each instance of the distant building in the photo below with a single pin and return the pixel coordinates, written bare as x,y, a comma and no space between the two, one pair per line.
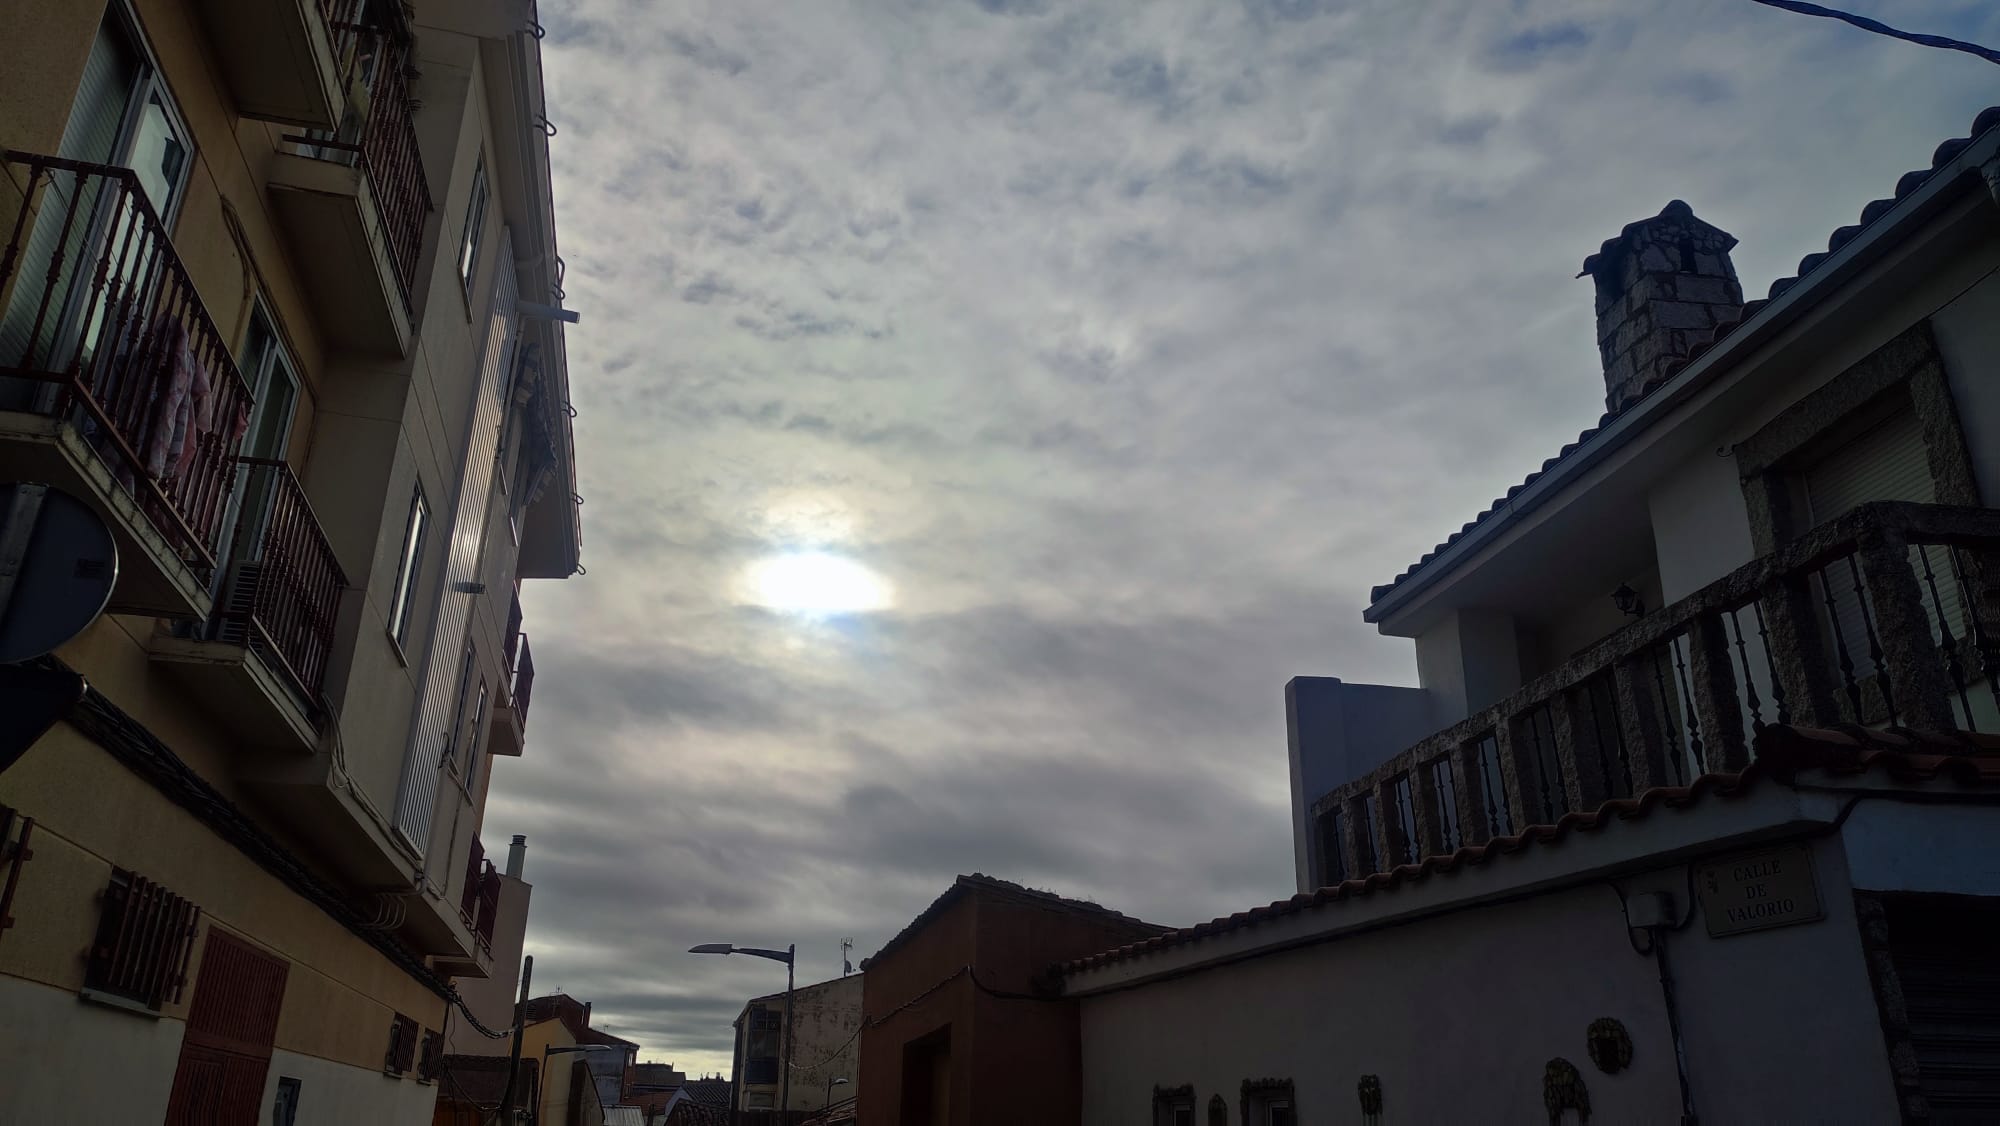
584,1068
825,1046
964,1024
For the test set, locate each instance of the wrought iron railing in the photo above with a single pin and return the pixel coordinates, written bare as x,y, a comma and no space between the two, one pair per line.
371,43
100,324
1885,616
283,594
520,664
479,900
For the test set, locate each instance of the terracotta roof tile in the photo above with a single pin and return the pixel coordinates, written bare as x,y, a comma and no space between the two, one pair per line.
965,884
1962,757
1987,119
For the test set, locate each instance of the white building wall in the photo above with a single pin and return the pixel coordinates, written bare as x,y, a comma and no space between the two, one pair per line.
59,1051
1968,336
334,1094
1459,1015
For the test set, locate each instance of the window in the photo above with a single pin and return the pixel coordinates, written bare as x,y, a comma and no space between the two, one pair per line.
1406,821
285,1110
1173,1106
430,1059
410,566
145,935
475,224
1268,1102
458,733
760,1052
475,738
402,1053
1445,789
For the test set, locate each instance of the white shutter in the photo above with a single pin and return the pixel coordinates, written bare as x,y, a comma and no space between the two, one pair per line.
416,798
1886,463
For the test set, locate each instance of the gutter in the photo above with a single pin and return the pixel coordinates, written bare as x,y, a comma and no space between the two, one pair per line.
1779,313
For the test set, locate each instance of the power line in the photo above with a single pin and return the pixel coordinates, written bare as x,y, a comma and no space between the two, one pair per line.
1880,28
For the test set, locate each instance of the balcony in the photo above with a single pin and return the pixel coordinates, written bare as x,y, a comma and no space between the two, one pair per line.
262,661
510,718
354,199
115,384
283,60
1885,616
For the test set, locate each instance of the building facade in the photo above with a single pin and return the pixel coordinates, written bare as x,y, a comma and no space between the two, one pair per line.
279,299
963,1025
824,1043
1687,821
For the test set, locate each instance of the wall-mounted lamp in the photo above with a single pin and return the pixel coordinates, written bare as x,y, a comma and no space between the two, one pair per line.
1628,601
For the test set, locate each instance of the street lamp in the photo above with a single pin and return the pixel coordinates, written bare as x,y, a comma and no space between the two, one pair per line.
831,1083
548,1050
788,956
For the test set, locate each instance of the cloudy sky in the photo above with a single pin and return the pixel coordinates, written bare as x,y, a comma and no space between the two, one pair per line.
1118,347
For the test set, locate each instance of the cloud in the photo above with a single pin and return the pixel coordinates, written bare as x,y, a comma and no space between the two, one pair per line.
1130,343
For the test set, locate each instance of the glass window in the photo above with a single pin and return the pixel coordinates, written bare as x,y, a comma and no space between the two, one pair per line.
411,566
475,225
458,713
475,738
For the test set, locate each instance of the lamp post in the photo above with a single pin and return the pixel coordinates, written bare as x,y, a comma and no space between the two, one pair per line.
788,956
831,1083
541,1100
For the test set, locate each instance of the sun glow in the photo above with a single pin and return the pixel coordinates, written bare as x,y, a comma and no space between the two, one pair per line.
816,582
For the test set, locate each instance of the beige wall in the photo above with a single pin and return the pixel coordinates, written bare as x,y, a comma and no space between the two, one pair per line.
1459,1014
826,1044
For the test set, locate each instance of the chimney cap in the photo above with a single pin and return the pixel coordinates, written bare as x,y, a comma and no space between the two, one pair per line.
1676,211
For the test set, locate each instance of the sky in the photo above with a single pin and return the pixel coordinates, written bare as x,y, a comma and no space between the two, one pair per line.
1109,352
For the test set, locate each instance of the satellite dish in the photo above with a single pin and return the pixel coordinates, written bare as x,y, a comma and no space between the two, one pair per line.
58,564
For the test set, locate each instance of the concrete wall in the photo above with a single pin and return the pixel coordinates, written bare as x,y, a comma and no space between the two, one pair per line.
1338,732
1968,337
58,1049
1459,1014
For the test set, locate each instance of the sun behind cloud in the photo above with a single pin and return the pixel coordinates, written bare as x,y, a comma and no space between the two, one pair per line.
817,583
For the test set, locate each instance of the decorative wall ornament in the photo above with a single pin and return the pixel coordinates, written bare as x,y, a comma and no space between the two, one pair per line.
1218,1111
1563,1089
1262,1095
1370,1090
1609,1044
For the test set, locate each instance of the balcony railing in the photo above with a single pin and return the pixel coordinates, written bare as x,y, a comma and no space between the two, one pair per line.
371,43
1884,616
520,665
285,583
102,326
479,903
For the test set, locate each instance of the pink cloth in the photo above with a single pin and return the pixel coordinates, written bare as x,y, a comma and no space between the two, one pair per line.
180,390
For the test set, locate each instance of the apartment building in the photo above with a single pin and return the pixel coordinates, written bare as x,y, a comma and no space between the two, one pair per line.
1691,817
280,299
823,1040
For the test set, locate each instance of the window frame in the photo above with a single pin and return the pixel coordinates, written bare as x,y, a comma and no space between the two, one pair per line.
473,233
475,749
409,568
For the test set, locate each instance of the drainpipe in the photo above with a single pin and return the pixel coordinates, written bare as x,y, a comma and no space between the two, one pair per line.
1654,913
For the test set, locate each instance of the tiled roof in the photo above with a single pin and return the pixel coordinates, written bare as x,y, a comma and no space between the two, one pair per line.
575,1016
1967,759
964,885
1910,182
708,1092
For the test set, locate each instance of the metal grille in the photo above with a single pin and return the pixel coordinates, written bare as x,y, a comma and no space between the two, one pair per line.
402,1053
145,936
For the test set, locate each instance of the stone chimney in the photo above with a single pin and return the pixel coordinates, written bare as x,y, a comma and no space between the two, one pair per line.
517,855
1662,285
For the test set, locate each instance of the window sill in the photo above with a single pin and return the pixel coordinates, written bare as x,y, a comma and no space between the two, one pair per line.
113,1001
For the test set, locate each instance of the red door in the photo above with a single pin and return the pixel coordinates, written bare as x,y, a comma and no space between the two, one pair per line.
230,1029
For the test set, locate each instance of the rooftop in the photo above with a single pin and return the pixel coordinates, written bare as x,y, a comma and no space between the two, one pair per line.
1872,214
977,882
